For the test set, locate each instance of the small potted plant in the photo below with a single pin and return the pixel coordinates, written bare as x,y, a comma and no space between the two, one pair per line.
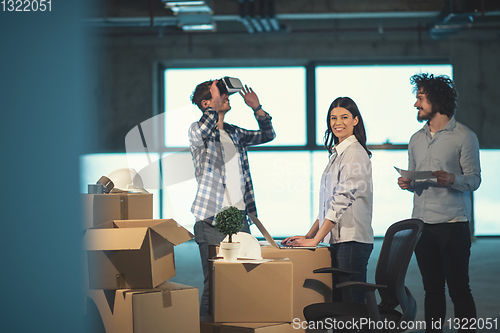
229,222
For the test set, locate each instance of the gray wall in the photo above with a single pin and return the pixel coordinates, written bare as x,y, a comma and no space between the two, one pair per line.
125,87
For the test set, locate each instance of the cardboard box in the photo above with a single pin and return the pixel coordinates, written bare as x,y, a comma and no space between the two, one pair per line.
171,307
208,326
132,254
252,293
308,287
100,208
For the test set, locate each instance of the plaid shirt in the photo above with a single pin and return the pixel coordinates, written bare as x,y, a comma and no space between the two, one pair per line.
208,159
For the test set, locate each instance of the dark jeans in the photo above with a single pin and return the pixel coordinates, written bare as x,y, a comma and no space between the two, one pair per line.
443,256
205,235
352,256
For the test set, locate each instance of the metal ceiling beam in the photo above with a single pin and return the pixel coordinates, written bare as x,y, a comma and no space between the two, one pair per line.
172,20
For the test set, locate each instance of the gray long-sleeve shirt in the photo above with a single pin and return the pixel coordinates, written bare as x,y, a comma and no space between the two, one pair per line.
454,149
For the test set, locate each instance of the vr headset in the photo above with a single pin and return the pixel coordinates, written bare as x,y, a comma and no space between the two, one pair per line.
229,85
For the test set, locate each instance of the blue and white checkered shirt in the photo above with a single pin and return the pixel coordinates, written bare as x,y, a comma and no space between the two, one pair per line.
208,158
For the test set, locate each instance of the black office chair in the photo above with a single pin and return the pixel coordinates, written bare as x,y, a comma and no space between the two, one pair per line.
399,242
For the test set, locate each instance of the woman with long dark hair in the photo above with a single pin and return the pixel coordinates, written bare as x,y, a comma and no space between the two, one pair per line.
346,194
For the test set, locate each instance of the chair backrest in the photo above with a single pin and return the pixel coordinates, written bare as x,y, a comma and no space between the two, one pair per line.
398,246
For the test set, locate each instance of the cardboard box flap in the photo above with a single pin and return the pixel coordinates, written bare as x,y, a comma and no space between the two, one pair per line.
165,286
173,232
114,239
166,228
166,294
129,224
169,285
104,225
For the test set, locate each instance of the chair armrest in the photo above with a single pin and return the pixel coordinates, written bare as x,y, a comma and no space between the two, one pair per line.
371,301
364,285
338,271
342,276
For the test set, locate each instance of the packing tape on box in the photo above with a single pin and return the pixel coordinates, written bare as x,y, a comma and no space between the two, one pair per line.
124,206
167,298
120,281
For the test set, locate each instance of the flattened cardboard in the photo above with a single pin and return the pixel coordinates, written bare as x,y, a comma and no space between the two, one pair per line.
308,287
100,208
258,328
250,293
208,326
171,307
132,254
115,239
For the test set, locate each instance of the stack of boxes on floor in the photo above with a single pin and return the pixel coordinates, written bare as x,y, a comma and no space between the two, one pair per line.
130,257
268,296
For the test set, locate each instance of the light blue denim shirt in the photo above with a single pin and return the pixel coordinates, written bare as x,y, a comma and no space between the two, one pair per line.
454,149
346,194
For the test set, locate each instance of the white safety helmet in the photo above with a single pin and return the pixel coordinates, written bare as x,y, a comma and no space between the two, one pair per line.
127,180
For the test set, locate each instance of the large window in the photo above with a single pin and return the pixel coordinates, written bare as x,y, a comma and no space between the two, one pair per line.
487,197
286,171
281,91
383,94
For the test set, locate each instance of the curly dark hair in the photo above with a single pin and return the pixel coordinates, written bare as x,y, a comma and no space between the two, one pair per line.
359,130
201,93
439,90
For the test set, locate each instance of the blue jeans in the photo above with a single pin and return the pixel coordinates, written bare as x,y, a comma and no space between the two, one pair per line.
205,235
443,253
352,256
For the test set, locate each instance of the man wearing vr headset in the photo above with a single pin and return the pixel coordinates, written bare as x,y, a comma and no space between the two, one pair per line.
219,152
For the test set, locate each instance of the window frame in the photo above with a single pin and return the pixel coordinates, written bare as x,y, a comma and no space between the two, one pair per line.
310,96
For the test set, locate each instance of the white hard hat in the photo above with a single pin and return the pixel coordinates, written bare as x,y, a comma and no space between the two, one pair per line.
127,180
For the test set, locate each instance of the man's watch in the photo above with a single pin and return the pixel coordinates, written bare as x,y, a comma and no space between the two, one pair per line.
258,108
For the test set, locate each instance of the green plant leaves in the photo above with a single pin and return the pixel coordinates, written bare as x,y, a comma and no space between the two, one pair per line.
229,221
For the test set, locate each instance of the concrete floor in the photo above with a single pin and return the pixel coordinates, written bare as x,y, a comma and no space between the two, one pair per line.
484,276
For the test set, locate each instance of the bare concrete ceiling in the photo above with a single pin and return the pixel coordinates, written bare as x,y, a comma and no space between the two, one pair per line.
140,17
138,8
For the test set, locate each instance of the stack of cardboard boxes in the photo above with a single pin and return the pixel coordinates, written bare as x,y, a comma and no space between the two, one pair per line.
130,258
268,296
